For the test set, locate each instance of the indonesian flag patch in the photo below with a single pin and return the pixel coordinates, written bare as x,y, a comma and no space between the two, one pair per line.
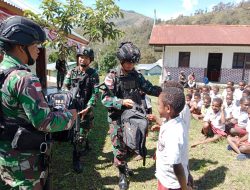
38,86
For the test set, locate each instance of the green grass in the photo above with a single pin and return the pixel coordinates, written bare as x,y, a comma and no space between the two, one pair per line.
212,166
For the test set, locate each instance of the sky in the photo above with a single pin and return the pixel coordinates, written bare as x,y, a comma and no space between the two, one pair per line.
165,9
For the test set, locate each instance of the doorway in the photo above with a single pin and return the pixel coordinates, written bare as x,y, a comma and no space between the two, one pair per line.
214,66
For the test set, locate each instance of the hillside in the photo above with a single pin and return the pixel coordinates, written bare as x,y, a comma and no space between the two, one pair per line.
137,29
131,18
222,13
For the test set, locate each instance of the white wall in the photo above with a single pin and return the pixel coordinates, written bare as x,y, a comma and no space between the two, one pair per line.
199,55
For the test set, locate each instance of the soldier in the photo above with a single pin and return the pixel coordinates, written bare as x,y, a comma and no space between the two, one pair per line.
61,65
23,107
87,78
125,87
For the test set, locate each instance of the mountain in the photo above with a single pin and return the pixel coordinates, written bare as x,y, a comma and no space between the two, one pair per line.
131,18
137,29
222,13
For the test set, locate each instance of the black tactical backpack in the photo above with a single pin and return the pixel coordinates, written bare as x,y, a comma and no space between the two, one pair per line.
135,128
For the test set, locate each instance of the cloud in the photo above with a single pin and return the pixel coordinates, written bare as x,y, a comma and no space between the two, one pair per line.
189,4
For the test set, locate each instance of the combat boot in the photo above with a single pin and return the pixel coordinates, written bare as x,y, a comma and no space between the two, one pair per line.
77,165
123,182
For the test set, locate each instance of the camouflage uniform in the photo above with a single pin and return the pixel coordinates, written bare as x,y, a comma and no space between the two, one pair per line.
70,81
114,104
23,103
61,72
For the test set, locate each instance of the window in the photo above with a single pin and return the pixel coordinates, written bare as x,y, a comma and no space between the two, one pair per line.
184,59
240,59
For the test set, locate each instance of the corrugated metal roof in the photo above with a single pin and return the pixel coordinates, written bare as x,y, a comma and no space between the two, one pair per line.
146,66
200,35
19,4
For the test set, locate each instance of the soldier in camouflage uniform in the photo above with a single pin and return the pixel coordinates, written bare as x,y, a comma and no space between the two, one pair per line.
61,65
22,104
87,78
124,90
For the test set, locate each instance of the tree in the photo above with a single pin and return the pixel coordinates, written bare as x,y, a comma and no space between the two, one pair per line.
63,18
108,61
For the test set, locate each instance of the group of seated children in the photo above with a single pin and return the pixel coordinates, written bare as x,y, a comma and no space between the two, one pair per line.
224,115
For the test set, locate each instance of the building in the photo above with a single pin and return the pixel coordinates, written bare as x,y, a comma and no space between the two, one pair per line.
219,52
149,69
17,7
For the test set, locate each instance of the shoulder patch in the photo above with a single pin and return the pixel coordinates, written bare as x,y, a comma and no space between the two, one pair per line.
109,80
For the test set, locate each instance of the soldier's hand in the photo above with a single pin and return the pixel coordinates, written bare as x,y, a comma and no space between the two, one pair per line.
128,103
83,112
74,113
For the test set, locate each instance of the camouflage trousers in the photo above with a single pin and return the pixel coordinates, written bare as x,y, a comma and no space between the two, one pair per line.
87,122
19,170
118,146
60,78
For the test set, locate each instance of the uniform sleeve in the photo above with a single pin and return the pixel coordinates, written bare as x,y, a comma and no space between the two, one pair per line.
67,80
108,99
95,91
147,87
36,108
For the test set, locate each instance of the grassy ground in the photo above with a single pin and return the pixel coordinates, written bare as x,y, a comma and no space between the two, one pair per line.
212,166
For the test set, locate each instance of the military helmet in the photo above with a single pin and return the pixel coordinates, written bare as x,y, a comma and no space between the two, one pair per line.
87,51
22,31
128,52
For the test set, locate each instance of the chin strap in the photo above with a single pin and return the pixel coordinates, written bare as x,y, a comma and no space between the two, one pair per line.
30,60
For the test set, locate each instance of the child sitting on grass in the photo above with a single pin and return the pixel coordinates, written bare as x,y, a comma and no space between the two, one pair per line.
229,107
214,123
240,117
204,108
172,147
196,105
215,92
241,145
188,100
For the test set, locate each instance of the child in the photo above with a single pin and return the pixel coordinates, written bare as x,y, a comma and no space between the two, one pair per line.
172,147
224,93
184,114
205,89
229,107
215,92
214,123
240,118
241,145
239,91
196,105
188,100
245,93
205,107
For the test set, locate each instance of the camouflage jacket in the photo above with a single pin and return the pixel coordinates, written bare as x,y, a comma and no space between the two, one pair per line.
23,102
76,74
112,101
